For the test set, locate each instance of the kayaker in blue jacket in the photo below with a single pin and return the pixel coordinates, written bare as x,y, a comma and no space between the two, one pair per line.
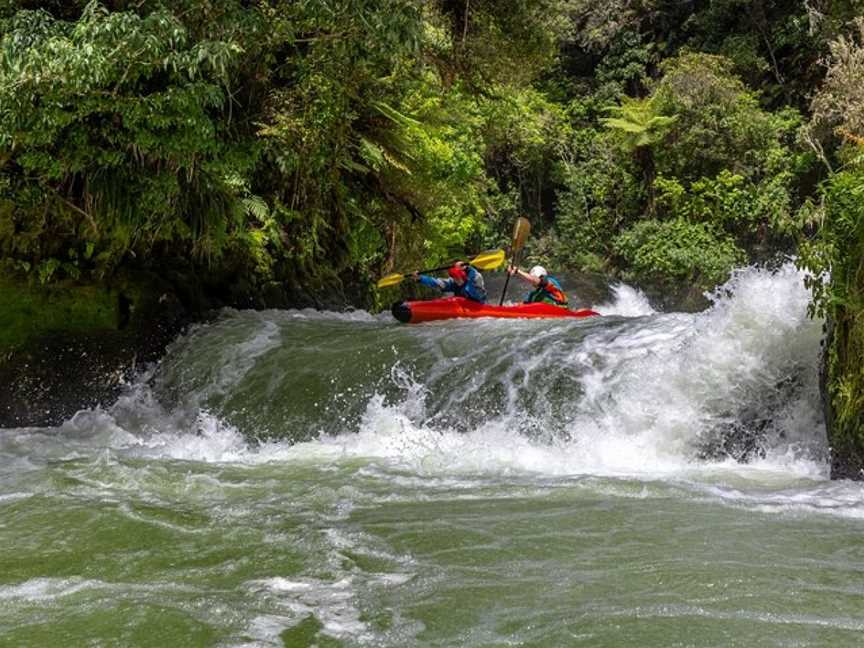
464,281
546,288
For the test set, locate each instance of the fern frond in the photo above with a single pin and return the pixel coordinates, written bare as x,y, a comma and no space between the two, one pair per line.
256,206
394,115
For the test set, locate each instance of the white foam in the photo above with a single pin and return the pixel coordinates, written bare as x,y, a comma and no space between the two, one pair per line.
332,603
679,610
627,302
495,449
662,400
46,589
14,497
648,391
311,314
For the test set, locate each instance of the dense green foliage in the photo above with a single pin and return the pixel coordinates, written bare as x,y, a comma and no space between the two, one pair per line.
839,249
836,254
274,142
36,309
306,145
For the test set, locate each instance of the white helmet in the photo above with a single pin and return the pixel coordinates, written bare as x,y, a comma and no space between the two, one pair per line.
538,271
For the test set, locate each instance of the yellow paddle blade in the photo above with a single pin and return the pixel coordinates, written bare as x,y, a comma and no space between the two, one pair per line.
521,230
488,260
390,280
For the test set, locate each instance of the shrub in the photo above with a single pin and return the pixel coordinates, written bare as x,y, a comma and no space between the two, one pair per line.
660,252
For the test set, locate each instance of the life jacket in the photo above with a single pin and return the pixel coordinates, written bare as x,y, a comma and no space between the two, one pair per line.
473,289
549,291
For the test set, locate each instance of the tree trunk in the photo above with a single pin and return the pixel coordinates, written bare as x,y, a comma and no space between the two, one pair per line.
645,160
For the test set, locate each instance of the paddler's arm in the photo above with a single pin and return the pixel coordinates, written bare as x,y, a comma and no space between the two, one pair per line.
432,282
534,281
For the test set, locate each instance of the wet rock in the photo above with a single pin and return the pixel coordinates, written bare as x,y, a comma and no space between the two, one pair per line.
846,437
744,434
69,347
57,372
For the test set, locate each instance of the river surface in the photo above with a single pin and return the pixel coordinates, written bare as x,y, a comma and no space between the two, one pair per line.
299,478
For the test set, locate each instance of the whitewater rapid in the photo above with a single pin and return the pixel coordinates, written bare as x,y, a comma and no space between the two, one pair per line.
637,393
303,477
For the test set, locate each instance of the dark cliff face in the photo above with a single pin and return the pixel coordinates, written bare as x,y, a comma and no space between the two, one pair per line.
71,347
823,387
55,372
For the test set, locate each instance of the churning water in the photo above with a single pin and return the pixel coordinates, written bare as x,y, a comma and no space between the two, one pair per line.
301,478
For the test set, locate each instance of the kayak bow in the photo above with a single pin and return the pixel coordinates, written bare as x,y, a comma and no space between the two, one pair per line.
414,312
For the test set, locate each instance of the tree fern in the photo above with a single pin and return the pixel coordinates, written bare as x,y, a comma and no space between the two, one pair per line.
638,121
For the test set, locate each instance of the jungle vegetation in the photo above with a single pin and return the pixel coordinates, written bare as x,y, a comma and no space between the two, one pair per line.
316,144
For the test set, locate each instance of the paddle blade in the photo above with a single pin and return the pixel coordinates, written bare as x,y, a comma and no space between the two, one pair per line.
390,280
521,230
488,260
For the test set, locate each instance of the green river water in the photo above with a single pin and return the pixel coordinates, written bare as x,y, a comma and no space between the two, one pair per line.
292,478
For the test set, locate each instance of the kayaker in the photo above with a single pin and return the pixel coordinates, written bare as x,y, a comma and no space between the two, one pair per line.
464,281
546,288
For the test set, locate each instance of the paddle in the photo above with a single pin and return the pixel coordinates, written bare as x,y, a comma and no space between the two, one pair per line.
521,230
488,260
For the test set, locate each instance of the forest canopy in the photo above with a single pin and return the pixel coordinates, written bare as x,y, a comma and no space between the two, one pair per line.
314,145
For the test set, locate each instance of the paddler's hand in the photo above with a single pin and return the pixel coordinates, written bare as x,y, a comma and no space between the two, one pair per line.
511,270
415,276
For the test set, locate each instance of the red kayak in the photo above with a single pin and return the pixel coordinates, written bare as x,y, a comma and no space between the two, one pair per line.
413,312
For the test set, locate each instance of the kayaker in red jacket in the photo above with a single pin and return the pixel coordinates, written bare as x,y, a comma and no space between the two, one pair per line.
546,288
464,281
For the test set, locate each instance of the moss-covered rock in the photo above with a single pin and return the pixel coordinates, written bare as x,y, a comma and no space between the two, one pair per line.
66,347
69,346
842,301
844,373
30,311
